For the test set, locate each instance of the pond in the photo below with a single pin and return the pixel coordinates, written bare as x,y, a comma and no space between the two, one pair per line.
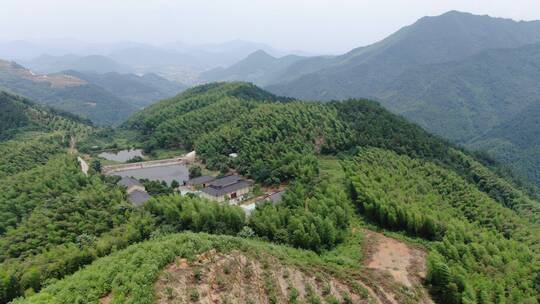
121,156
169,173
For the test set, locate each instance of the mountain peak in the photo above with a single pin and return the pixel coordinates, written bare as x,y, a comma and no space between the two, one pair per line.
260,54
456,13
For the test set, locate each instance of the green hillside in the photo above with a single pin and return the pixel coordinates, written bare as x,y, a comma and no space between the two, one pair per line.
461,76
138,91
103,98
125,282
469,233
18,114
365,71
12,114
352,170
515,142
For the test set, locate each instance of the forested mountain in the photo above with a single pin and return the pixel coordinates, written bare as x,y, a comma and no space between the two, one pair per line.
46,64
366,71
139,91
18,114
65,92
259,68
464,99
516,141
486,102
279,140
103,98
349,167
458,75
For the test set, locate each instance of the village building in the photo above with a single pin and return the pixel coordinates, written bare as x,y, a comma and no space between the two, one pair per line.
136,191
231,188
137,197
200,182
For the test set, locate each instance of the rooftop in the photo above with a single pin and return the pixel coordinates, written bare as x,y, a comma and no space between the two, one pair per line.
129,182
229,188
226,181
137,197
200,180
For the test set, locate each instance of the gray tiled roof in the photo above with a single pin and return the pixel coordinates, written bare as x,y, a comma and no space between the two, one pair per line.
219,191
226,181
128,182
137,198
200,180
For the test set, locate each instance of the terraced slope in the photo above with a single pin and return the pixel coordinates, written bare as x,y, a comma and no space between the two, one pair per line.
202,268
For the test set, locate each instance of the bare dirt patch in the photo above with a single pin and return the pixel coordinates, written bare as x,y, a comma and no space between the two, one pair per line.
397,266
106,299
238,278
58,80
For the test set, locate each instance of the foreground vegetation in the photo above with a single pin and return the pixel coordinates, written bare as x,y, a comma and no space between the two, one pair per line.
132,278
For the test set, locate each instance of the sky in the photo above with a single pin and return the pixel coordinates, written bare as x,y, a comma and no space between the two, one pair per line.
316,26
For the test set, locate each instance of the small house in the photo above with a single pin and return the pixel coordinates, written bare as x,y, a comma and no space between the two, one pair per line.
137,197
231,188
131,184
136,191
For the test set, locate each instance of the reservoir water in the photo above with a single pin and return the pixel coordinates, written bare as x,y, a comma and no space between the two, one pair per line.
169,173
121,156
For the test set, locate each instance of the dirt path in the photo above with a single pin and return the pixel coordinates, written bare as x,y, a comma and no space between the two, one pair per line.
72,145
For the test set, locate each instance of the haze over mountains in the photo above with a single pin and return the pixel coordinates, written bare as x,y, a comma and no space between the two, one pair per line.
175,60
103,98
106,82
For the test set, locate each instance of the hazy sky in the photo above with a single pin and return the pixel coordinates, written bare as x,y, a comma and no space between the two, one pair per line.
321,26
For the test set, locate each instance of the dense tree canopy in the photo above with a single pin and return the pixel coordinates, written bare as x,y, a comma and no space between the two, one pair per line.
481,252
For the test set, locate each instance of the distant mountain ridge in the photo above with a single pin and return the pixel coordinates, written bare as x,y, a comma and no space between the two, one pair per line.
139,91
103,98
91,63
367,70
175,60
259,67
